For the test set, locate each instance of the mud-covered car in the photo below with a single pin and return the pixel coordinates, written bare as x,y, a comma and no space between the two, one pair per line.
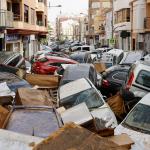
39,121
13,81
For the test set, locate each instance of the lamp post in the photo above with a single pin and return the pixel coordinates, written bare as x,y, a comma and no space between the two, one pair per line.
54,5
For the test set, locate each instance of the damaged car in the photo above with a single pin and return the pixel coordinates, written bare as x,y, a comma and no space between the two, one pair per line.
137,124
83,91
39,121
13,81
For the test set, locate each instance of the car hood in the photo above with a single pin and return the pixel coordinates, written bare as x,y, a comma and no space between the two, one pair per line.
106,114
142,141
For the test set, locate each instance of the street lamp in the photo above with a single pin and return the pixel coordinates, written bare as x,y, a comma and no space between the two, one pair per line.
54,6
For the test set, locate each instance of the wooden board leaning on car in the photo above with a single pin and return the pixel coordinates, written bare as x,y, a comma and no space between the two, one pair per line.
49,81
100,67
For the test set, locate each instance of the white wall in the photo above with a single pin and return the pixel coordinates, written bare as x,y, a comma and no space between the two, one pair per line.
139,13
108,27
120,4
3,5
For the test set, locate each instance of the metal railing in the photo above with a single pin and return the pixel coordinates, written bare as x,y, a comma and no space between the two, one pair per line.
147,23
6,19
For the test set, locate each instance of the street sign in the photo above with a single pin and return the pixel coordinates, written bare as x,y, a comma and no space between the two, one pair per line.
112,41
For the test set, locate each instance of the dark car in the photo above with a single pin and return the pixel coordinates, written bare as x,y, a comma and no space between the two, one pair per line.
77,71
13,81
49,64
114,79
82,57
39,121
13,59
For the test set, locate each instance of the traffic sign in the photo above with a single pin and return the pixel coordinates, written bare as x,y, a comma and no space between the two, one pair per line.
112,41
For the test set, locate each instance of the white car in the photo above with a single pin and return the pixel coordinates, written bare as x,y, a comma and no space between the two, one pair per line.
112,57
137,125
83,91
83,48
139,78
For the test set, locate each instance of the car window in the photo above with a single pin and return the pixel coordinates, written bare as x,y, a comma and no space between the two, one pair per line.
43,60
79,48
90,97
86,48
139,119
120,76
144,78
14,62
56,64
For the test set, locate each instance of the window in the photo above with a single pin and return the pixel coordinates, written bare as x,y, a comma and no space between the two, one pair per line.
32,16
144,78
139,119
26,13
16,11
45,21
122,15
95,5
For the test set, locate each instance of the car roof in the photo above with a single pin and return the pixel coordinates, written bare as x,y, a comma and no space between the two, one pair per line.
59,58
116,52
118,67
145,100
74,87
77,71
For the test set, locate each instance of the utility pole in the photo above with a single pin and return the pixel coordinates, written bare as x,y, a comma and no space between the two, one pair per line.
112,22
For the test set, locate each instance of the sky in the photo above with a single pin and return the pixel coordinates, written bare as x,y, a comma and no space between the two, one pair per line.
69,7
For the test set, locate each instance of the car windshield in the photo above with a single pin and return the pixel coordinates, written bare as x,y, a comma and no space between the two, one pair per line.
132,57
90,97
139,119
79,59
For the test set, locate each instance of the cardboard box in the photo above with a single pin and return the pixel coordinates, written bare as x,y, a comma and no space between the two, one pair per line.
100,67
50,81
4,114
32,97
122,140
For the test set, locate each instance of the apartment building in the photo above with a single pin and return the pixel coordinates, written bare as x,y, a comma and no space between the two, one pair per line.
140,12
122,24
97,17
23,23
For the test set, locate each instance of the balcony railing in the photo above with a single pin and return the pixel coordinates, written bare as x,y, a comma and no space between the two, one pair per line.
6,19
40,23
147,23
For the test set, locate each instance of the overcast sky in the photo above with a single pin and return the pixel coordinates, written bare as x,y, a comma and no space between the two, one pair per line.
69,7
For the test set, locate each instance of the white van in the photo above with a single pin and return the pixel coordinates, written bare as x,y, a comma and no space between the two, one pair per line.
83,48
112,57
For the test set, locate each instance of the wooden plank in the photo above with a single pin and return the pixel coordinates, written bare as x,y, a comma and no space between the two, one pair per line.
28,97
43,80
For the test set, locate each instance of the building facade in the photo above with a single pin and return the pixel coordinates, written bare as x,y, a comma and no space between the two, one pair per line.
26,25
140,12
122,24
97,16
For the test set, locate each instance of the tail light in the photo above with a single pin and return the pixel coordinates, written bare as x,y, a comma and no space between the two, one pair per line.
105,83
129,83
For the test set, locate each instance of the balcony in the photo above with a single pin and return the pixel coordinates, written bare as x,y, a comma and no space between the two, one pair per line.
6,19
41,6
147,23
